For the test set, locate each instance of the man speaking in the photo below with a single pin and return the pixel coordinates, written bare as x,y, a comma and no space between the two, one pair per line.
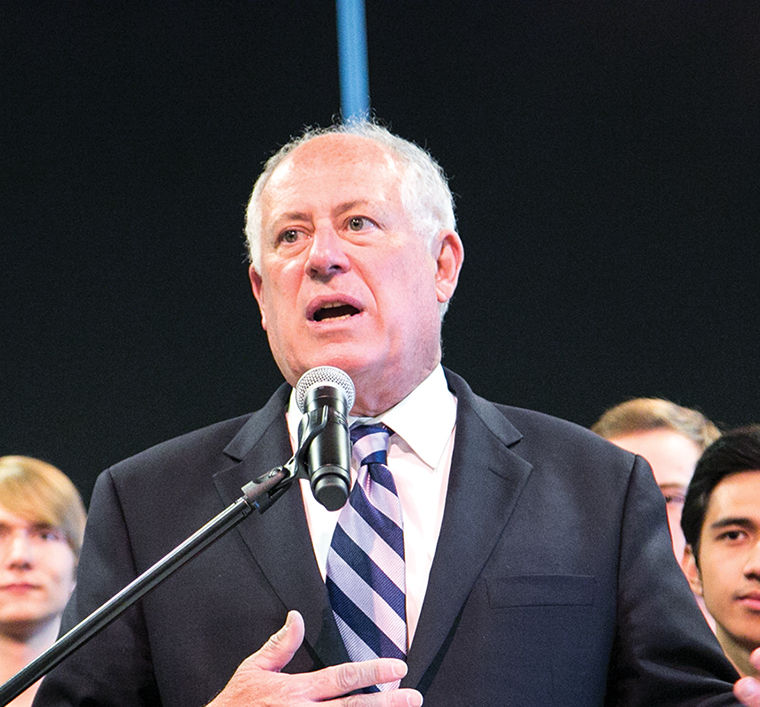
486,555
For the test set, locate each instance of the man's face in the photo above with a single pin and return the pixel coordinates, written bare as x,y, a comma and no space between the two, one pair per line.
672,457
37,568
729,560
345,280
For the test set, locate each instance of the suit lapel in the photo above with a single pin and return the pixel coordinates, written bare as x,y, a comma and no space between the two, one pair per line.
279,539
484,484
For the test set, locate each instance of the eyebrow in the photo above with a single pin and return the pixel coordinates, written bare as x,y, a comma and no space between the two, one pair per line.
337,211
292,216
725,522
348,205
378,209
32,525
673,487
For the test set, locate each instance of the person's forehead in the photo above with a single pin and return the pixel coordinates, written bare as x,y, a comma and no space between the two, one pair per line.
329,172
737,495
333,153
671,455
9,519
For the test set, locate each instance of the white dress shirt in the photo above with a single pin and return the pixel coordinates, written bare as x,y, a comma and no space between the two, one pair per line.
419,457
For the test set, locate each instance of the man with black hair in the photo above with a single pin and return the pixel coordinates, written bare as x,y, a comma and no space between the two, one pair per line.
721,522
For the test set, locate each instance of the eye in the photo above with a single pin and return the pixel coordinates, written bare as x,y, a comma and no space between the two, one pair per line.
290,235
732,535
675,499
49,535
358,223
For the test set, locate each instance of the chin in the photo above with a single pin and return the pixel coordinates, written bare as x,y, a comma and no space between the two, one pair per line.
350,362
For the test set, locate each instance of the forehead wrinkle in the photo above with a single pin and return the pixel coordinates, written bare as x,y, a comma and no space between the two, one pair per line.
347,206
304,212
291,216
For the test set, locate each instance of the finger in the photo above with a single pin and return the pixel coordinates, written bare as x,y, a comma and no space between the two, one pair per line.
405,697
278,651
754,658
341,679
747,691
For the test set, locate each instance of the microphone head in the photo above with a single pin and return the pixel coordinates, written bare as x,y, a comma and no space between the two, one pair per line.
325,375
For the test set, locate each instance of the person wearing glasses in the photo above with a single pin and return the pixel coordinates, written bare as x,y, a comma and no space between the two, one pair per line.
671,438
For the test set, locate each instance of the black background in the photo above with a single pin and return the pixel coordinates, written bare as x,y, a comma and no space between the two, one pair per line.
604,157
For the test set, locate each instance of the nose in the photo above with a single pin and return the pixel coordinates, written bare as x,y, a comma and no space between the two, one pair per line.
752,565
327,255
18,551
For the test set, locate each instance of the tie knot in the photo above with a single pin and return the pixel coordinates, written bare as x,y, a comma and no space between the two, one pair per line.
370,443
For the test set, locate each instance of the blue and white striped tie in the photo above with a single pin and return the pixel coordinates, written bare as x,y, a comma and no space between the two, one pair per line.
365,563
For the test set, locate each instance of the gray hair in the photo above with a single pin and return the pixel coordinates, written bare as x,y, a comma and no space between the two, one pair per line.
425,192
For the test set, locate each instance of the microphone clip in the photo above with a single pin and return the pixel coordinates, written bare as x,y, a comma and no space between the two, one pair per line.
328,473
312,423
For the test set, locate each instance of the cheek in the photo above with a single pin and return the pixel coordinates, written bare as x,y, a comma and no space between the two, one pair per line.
62,572
413,283
280,295
719,577
674,518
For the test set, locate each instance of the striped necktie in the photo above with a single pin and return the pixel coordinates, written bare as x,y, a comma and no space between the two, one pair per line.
365,563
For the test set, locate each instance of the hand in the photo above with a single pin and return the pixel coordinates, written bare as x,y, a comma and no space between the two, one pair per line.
258,679
747,690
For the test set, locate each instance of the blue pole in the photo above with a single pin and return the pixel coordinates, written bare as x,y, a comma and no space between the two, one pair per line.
352,59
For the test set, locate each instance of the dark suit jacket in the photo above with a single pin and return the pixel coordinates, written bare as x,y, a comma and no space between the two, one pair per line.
553,581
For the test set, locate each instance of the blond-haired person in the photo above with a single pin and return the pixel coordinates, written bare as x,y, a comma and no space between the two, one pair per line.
41,525
671,438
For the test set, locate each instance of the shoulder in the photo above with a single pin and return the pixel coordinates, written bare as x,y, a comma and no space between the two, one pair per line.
534,424
195,445
553,445
203,451
527,424
541,439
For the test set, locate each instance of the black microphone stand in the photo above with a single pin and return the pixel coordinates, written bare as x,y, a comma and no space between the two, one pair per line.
257,495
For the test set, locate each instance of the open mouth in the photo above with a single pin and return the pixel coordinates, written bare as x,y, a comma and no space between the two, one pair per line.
334,311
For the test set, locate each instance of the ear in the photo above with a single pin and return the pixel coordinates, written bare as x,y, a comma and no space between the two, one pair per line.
449,253
256,287
690,569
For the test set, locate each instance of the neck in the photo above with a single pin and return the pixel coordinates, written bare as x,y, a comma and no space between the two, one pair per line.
20,646
374,397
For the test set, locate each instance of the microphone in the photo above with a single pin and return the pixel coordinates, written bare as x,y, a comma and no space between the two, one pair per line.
325,395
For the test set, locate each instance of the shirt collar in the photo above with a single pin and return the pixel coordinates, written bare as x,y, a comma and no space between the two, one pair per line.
431,401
